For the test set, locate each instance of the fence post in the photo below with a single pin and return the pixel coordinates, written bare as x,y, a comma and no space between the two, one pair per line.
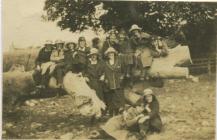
209,66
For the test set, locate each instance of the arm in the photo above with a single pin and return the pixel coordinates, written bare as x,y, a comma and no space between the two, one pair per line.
154,109
54,57
164,51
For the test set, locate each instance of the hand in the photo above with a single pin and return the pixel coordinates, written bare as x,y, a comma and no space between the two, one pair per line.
140,116
122,77
73,55
143,119
38,68
79,74
102,78
147,108
87,79
137,53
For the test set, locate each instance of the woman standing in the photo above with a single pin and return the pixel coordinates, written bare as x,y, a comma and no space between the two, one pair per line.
57,56
113,80
81,56
126,54
94,72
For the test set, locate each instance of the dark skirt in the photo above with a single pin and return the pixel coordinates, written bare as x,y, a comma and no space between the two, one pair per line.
127,59
97,86
114,99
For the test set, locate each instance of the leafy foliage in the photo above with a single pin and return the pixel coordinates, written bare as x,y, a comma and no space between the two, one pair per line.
157,17
197,20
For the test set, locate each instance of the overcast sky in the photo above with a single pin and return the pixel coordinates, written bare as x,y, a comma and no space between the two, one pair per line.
23,26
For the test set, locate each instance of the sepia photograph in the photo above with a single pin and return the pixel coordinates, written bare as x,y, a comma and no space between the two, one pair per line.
109,70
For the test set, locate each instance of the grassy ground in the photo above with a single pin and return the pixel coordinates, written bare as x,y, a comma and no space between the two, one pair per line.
187,110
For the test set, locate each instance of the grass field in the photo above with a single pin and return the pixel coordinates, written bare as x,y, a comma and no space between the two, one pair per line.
187,110
23,57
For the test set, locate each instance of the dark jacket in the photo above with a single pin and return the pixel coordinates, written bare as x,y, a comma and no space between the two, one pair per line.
154,106
43,56
113,75
94,71
81,56
125,47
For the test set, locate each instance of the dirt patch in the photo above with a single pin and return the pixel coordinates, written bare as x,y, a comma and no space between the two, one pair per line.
187,110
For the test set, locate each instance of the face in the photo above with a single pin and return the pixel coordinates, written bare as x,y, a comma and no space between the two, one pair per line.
59,46
149,98
122,37
100,44
94,57
136,33
72,46
48,47
111,55
113,39
82,43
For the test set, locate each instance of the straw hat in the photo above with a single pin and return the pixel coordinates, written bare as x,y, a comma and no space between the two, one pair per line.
110,50
93,51
48,42
81,39
135,27
147,91
59,42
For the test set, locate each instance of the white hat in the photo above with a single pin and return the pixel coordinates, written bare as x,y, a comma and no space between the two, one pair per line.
93,51
59,42
135,27
147,91
48,42
110,50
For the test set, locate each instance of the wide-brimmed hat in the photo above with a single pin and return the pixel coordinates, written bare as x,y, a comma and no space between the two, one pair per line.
147,91
48,42
93,51
135,27
81,39
59,42
110,50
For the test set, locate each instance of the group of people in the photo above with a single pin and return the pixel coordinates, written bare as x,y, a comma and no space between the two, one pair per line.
105,65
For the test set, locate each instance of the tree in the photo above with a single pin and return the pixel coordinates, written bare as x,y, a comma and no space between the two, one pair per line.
158,17
161,18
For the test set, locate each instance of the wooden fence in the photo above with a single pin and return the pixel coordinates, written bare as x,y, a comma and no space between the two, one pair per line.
206,63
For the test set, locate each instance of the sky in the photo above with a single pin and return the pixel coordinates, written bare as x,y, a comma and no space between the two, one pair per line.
23,26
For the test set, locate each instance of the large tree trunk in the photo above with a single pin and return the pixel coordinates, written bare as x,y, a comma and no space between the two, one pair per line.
15,85
170,66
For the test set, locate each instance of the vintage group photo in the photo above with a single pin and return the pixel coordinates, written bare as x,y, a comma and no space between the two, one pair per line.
109,70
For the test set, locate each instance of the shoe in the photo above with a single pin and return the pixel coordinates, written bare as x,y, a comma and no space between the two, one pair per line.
142,78
143,133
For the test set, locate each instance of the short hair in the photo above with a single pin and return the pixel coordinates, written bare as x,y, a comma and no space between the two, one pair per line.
95,41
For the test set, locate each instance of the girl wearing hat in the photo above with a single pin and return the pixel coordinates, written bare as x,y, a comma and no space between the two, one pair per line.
57,56
141,42
94,72
81,56
43,57
151,120
111,41
113,79
126,54
69,52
